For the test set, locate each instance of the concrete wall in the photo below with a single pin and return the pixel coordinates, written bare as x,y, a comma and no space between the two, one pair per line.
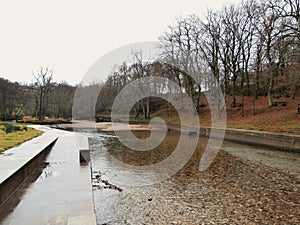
10,185
284,142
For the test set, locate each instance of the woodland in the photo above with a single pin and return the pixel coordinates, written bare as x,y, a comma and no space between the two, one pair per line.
251,49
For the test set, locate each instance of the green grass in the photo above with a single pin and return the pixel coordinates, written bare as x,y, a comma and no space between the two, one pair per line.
243,126
12,135
292,126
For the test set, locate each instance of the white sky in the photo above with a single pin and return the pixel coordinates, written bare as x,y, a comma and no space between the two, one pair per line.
70,35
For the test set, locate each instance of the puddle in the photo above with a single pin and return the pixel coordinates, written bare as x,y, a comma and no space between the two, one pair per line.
6,154
46,174
51,164
16,199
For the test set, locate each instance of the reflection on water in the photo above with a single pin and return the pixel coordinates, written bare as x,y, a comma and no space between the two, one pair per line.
9,206
6,154
230,191
141,158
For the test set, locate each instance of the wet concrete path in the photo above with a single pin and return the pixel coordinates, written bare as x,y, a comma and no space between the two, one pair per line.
62,192
13,159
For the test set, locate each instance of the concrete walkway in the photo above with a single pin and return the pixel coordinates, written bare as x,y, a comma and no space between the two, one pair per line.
62,194
16,164
13,159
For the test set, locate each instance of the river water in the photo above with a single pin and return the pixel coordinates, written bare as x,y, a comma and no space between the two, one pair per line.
244,184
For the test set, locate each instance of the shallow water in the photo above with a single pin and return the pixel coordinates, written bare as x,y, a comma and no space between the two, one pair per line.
268,156
187,196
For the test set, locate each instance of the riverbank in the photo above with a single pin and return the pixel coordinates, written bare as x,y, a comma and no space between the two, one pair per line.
254,115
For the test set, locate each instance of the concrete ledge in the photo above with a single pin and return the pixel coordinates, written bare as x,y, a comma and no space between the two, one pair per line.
82,220
10,181
278,141
286,142
185,131
82,143
84,156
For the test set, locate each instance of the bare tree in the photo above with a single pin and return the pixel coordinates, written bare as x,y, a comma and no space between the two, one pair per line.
288,9
289,45
43,79
266,25
60,100
139,70
13,98
210,42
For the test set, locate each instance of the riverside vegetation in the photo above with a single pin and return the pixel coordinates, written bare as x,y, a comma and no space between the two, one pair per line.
12,134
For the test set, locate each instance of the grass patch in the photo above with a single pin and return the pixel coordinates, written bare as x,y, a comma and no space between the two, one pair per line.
292,129
12,135
243,126
292,126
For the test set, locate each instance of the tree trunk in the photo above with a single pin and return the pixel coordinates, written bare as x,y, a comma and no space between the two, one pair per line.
234,90
147,115
40,105
294,86
137,110
248,83
257,83
270,87
243,94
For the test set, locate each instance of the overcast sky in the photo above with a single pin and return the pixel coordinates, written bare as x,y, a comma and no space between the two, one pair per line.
69,36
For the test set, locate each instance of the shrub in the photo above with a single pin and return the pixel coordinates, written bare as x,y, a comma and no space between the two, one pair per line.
9,128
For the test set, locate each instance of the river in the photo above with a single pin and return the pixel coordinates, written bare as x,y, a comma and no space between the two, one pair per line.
244,184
